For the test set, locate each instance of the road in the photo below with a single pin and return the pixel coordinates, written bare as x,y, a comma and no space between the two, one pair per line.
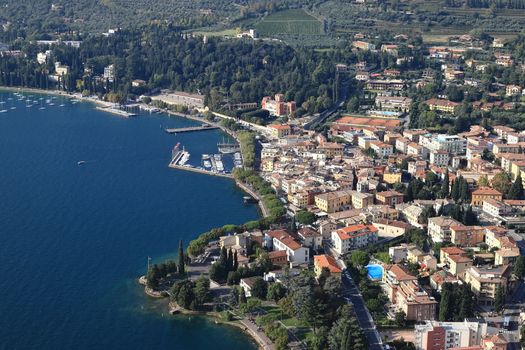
365,320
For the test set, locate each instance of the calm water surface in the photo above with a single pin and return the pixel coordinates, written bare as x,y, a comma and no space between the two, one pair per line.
74,238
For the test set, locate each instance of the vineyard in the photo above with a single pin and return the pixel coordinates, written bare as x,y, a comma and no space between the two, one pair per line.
291,22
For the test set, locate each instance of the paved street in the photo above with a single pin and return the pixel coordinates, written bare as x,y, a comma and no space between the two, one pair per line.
363,316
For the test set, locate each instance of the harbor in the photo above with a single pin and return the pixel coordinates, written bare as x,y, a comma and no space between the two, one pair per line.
211,164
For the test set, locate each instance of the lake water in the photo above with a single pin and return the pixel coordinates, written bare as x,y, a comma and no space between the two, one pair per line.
73,239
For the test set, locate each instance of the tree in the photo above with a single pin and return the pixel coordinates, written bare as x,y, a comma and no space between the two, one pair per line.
519,267
502,182
516,190
445,302
499,299
354,179
235,261
305,217
445,186
483,181
259,288
293,226
325,273
359,258
469,218
229,260
180,264
242,297
202,291
153,277
400,318
276,291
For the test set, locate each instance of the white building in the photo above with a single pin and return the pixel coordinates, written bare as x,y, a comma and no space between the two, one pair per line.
439,158
451,143
439,228
42,57
297,254
450,334
353,237
109,72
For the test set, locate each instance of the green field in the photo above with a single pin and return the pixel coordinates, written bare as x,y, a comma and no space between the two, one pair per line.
291,22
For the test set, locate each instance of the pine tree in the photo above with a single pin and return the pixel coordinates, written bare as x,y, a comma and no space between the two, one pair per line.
516,190
180,265
463,190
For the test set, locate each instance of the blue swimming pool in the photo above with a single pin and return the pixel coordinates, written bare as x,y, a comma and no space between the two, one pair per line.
375,272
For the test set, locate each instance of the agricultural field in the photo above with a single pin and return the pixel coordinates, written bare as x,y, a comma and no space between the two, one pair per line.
289,22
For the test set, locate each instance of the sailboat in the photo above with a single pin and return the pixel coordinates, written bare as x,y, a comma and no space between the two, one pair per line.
1,104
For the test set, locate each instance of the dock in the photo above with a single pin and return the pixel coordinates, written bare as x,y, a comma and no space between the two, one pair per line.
116,111
191,128
200,171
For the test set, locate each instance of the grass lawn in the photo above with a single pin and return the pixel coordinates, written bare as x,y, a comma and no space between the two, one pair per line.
287,321
294,21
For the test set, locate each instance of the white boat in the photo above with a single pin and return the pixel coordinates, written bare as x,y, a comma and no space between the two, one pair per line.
81,162
3,110
207,164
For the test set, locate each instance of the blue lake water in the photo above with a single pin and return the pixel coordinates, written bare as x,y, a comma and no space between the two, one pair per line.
74,238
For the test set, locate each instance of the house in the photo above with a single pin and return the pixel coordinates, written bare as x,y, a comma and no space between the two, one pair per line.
326,261
506,256
381,149
390,228
278,257
393,103
282,240
310,238
390,198
483,193
513,90
353,237
246,284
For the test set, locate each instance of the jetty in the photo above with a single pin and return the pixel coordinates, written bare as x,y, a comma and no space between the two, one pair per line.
117,111
203,127
228,147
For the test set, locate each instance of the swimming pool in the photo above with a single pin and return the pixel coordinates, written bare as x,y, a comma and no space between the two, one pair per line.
375,272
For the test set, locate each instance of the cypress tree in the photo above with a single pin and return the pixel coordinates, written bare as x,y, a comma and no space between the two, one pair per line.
445,186
235,261
516,190
499,299
463,190
229,261
454,193
354,180
180,265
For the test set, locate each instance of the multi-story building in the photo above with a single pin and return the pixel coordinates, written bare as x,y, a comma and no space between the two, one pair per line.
467,236
484,280
453,144
381,85
362,200
280,130
434,335
393,103
456,259
278,106
353,237
382,149
109,72
439,228
390,198
332,202
484,193
441,105
406,295
281,240
390,228
439,158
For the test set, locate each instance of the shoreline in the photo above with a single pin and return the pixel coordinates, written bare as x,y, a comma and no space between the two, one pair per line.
77,96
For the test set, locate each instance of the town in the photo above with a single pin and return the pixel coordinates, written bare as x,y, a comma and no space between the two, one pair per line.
393,211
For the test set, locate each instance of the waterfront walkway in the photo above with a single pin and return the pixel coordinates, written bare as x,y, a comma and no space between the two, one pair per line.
254,194
262,339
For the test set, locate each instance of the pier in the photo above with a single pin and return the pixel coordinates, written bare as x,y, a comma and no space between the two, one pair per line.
191,128
116,111
228,147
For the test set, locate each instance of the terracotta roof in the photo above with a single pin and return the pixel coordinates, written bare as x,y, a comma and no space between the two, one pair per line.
486,191
453,250
355,230
328,262
401,273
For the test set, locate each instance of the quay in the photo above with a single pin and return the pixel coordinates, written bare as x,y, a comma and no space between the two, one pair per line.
116,111
191,128
200,171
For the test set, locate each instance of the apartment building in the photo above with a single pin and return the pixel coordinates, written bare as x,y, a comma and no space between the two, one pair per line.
467,236
332,202
281,240
278,106
390,198
434,335
484,280
353,237
483,193
439,228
